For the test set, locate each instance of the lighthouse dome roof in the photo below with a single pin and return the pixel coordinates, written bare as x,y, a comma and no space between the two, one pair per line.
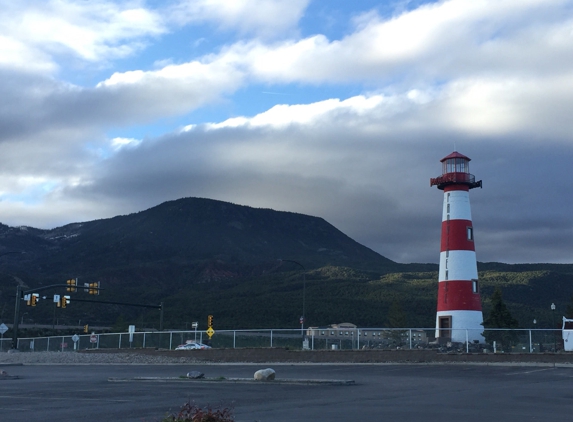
455,154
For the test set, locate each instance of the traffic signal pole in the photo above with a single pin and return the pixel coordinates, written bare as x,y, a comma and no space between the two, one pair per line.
93,289
19,295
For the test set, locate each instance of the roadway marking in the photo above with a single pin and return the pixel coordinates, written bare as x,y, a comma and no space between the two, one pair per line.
62,398
529,372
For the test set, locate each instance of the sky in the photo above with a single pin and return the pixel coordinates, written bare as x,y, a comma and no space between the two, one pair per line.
332,108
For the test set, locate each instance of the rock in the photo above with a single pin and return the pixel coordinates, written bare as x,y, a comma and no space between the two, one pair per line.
195,375
265,375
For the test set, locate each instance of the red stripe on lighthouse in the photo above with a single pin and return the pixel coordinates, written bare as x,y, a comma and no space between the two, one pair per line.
457,295
456,187
457,235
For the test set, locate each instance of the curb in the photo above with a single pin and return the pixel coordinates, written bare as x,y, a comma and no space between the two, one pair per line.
233,381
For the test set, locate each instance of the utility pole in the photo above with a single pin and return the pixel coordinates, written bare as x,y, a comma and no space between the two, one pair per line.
16,317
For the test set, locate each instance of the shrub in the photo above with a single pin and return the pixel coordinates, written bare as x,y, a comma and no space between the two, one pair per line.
190,412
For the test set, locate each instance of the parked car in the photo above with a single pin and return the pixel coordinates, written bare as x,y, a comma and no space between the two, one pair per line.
192,346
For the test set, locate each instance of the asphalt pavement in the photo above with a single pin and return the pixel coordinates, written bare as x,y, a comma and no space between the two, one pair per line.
414,392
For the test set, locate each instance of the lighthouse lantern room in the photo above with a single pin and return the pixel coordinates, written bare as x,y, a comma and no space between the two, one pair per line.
459,315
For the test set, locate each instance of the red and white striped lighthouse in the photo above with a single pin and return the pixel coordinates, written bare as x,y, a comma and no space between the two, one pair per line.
459,314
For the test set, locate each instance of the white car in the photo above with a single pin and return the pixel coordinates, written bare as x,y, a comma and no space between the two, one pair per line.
192,346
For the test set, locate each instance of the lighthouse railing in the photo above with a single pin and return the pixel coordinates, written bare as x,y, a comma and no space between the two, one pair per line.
453,178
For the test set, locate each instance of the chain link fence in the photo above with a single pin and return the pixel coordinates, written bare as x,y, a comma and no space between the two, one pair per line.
492,340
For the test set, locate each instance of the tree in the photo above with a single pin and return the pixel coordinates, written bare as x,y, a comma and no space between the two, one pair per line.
499,318
569,310
396,319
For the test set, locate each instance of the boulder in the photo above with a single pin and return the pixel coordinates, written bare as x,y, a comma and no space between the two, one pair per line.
195,375
265,375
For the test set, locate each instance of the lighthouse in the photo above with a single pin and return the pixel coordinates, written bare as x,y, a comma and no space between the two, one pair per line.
459,315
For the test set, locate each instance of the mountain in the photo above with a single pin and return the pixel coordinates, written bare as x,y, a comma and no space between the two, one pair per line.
176,245
189,231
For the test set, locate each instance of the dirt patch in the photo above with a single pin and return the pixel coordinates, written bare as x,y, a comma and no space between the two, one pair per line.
261,355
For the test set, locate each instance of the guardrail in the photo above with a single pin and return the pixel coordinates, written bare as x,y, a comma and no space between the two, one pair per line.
494,340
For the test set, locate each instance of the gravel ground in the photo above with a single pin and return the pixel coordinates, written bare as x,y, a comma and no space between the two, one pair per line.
88,358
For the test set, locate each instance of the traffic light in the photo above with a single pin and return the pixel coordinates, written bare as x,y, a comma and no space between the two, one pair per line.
210,321
72,285
64,300
93,288
34,299
86,328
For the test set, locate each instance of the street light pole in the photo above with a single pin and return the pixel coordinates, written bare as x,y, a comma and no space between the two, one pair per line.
302,318
553,327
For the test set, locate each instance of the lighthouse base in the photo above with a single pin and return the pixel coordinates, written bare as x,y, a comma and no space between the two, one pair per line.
460,326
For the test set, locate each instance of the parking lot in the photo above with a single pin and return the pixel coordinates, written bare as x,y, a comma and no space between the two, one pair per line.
413,392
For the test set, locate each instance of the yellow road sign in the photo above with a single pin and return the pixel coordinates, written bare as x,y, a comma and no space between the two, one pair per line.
210,332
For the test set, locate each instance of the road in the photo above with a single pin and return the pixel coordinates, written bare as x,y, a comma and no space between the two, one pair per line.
428,393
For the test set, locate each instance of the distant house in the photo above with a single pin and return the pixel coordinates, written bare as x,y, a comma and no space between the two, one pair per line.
375,336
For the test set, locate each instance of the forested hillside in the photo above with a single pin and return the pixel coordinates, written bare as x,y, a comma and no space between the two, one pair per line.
248,267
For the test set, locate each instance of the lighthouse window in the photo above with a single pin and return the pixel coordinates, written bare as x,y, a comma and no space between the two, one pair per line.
446,274
448,207
470,233
475,286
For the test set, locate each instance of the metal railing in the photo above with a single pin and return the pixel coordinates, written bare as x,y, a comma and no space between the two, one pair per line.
491,340
453,178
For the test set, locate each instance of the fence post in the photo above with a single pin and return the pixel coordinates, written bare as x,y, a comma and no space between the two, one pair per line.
119,341
530,344
62,345
410,339
170,340
271,338
312,345
144,340
234,339
467,342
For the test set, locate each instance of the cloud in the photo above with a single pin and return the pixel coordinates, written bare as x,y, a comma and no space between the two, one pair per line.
385,103
359,163
434,42
34,32
262,18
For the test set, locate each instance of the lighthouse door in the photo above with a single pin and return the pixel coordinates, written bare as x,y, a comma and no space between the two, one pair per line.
445,326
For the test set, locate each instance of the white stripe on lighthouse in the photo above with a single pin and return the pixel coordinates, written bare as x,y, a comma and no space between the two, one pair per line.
460,265
466,323
456,205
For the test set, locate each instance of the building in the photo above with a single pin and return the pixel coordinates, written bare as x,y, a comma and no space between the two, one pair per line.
375,337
